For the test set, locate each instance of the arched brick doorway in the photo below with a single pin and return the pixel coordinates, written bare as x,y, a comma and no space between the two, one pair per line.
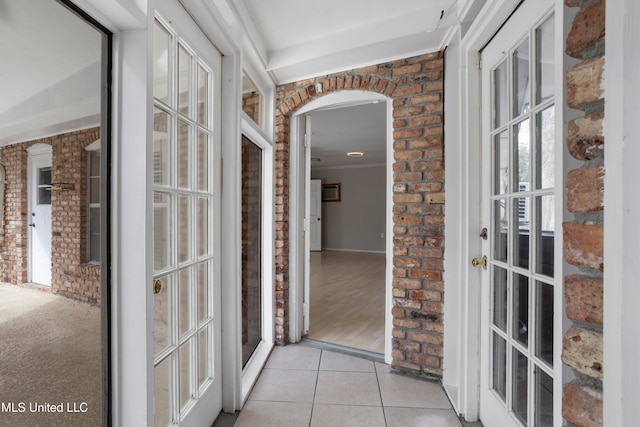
414,87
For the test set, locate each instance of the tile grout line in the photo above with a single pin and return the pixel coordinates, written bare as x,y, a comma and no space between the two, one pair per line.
315,389
384,413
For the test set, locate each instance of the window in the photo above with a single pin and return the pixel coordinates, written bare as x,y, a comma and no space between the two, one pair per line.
93,203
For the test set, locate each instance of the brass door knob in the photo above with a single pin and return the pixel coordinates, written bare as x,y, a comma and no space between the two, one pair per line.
480,262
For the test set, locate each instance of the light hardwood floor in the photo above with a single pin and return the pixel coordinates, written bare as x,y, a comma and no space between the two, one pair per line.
347,299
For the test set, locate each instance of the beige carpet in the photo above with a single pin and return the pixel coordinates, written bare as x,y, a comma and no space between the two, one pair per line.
49,356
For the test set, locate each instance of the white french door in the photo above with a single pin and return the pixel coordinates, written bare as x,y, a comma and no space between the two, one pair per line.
518,211
186,205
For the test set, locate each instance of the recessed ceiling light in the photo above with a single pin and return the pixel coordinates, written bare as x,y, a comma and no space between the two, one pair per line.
355,154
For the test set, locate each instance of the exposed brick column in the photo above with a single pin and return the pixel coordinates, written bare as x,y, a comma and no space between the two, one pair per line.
415,87
583,236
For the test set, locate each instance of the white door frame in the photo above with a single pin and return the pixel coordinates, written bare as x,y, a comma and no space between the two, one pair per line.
467,345
40,155
297,204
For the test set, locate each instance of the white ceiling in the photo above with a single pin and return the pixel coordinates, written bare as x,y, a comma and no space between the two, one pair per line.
297,39
54,73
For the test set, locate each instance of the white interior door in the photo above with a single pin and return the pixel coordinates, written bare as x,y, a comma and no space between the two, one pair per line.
40,215
186,217
315,215
518,316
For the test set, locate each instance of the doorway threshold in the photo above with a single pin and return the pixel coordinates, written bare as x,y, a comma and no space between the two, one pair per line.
350,351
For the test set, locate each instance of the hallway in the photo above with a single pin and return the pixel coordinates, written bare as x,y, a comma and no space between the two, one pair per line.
306,386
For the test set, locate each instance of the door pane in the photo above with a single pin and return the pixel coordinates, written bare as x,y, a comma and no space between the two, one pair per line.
161,64
162,314
184,302
501,168
522,147
544,322
251,248
545,60
521,236
499,366
162,397
501,230
500,297
544,399
185,238
203,161
520,385
161,148
500,95
162,236
203,291
521,308
545,234
203,96
185,374
185,75
202,234
545,148
204,355
521,79
184,155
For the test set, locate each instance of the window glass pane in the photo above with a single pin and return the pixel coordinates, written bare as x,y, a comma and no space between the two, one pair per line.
521,238
184,155
44,186
520,383
251,99
203,161
545,60
500,297
544,322
521,308
184,374
500,95
522,147
545,234
202,234
162,314
162,239
161,64
94,234
185,77
545,148
184,228
521,79
184,298
544,399
501,163
501,229
162,381
251,248
161,148
203,291
499,358
203,356
203,96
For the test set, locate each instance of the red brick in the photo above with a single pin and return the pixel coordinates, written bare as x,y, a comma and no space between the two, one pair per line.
582,405
582,350
584,83
587,29
583,245
584,299
585,190
585,138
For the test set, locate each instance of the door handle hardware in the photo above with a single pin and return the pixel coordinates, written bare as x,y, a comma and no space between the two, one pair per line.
484,233
32,225
157,286
480,262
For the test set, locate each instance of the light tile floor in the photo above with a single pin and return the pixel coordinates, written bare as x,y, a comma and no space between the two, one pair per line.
307,386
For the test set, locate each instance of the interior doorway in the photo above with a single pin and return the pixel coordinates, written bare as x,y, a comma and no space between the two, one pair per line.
346,285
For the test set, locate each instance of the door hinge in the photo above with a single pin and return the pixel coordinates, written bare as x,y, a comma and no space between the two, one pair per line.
305,310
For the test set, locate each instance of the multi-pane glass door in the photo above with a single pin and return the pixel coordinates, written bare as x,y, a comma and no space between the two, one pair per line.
519,200
186,323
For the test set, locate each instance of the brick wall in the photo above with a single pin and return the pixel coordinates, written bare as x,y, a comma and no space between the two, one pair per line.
415,88
583,236
251,105
70,275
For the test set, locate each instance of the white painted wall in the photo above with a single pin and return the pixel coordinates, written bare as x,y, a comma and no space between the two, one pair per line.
357,222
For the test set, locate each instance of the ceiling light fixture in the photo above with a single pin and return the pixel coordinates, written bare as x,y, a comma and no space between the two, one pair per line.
355,154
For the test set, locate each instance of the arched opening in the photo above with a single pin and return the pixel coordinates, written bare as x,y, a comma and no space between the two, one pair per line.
301,262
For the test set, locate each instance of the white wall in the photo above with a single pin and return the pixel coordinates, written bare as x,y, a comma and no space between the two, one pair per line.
357,222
